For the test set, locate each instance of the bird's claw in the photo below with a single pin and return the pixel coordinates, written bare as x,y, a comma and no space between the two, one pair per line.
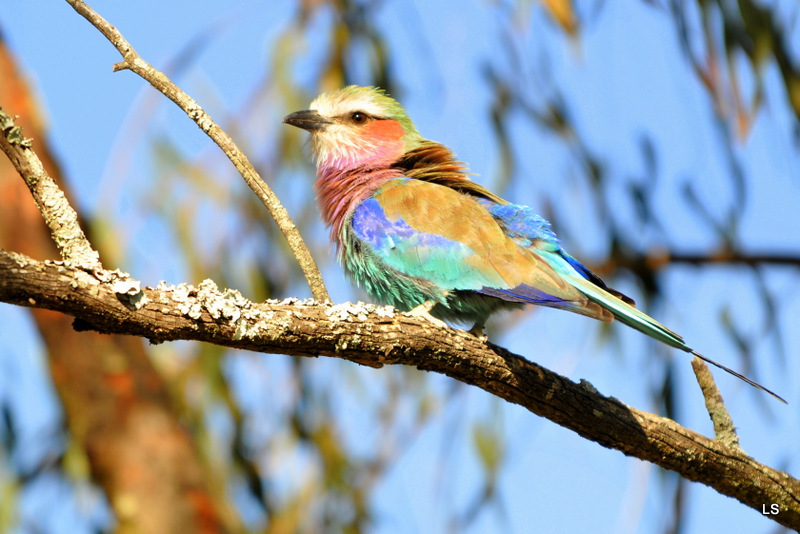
477,331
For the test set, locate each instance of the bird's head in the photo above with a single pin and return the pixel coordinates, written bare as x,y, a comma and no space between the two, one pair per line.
356,126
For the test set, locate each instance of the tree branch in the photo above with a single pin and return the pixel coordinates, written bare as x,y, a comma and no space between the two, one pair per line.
51,201
377,336
132,61
112,302
117,408
724,429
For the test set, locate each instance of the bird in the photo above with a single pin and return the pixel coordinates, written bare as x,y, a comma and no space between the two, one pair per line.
415,232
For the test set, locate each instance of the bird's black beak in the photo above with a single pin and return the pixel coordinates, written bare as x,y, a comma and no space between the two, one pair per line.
308,119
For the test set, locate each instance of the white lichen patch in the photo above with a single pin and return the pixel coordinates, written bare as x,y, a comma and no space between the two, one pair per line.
163,288
385,311
20,260
226,305
105,275
126,286
292,301
191,308
344,311
184,296
349,311
249,320
255,323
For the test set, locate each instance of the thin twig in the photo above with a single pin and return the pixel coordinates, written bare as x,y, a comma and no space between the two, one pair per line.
50,199
132,61
724,429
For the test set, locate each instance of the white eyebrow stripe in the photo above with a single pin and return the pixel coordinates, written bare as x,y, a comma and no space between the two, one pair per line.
334,107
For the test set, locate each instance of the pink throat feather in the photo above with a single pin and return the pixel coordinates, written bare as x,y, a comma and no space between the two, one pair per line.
340,191
351,174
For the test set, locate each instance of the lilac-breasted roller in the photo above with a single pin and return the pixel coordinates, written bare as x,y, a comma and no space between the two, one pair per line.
415,232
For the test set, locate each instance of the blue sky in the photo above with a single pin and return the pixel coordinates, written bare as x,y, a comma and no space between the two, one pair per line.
624,76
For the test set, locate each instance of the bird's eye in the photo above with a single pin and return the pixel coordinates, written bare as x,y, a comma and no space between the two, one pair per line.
358,117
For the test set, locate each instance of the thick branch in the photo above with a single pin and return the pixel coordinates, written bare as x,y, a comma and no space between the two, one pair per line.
375,337
132,61
54,206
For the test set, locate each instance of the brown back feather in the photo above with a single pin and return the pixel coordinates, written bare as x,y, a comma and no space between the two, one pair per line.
435,163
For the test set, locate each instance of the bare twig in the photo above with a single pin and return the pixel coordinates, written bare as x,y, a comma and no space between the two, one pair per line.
50,199
132,61
374,336
724,429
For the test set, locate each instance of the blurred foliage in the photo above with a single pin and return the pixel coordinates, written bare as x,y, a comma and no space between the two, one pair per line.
274,431
729,32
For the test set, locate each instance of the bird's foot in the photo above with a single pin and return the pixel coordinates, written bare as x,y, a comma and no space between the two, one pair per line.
477,331
423,311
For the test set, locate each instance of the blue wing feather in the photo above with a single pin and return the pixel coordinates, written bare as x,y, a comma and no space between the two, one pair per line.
406,264
414,253
533,232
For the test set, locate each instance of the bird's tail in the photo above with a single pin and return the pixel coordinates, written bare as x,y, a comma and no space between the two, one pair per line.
627,314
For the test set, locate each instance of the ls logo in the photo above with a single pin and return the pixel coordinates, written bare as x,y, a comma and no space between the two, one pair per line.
771,509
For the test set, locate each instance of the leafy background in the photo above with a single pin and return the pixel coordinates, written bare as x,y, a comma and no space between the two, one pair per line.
660,138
